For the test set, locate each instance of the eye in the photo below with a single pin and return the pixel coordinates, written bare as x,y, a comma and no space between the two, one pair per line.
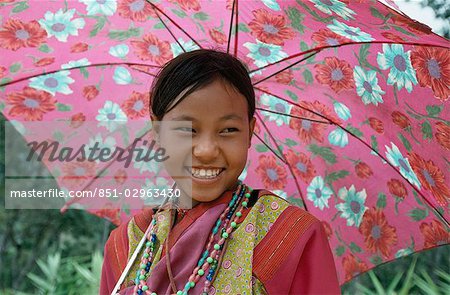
185,129
230,130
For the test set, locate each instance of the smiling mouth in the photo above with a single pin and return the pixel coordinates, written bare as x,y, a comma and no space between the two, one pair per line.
205,173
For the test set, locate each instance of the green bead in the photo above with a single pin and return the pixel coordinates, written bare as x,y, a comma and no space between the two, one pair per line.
180,293
144,288
244,204
201,272
233,224
148,244
154,293
216,246
141,277
146,255
192,284
238,214
225,235
210,260
247,195
214,266
143,266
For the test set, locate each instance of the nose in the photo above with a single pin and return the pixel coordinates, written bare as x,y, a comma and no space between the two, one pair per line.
205,148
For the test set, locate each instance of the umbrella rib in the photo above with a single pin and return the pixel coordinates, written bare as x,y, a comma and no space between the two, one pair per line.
289,66
236,29
170,32
231,27
296,117
282,159
175,23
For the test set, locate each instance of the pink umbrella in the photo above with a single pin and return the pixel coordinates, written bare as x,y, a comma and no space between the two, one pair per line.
352,121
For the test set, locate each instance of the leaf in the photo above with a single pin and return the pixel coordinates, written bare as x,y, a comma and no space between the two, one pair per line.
364,52
418,200
381,203
101,21
405,142
122,35
355,248
376,260
434,110
426,130
261,148
15,67
45,48
339,250
296,201
58,136
374,143
292,95
290,142
325,153
84,72
201,16
401,30
63,107
243,27
20,6
355,131
418,214
303,46
296,18
376,13
159,26
336,175
307,76
179,13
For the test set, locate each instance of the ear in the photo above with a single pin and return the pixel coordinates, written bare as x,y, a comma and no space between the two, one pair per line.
251,128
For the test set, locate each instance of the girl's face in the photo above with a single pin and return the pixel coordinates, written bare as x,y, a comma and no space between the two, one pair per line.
221,132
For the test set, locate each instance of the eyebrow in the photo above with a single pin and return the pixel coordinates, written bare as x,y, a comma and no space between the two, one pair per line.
223,118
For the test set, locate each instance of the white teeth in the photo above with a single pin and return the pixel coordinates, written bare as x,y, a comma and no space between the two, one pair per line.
204,173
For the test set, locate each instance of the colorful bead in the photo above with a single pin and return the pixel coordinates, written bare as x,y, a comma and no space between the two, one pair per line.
233,224
144,288
210,260
238,214
225,235
216,246
244,204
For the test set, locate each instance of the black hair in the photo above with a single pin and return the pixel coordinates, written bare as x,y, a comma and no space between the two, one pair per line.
197,69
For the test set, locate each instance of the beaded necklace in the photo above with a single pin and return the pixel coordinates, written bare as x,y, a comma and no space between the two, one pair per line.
210,259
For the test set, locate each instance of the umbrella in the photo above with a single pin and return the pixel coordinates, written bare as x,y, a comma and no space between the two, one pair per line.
352,121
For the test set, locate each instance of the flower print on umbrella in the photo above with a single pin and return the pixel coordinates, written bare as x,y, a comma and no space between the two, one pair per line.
188,4
338,137
353,267
77,120
307,129
401,120
137,10
301,165
393,37
285,77
353,207
376,124
433,70
81,63
367,87
120,50
61,24
44,61
434,234
403,252
319,193
378,234
272,4
398,61
16,34
396,158
186,45
111,116
397,188
363,170
140,162
330,6
79,47
149,47
30,104
277,105
105,7
264,54
443,134
97,144
137,105
351,33
325,37
280,193
53,83
218,36
122,76
153,187
431,178
342,110
90,92
272,175
270,28
75,173
336,73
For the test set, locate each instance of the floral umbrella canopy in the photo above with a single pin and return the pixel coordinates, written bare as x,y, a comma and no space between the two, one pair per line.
352,120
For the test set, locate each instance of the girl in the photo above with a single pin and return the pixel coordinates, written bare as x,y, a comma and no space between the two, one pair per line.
235,240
